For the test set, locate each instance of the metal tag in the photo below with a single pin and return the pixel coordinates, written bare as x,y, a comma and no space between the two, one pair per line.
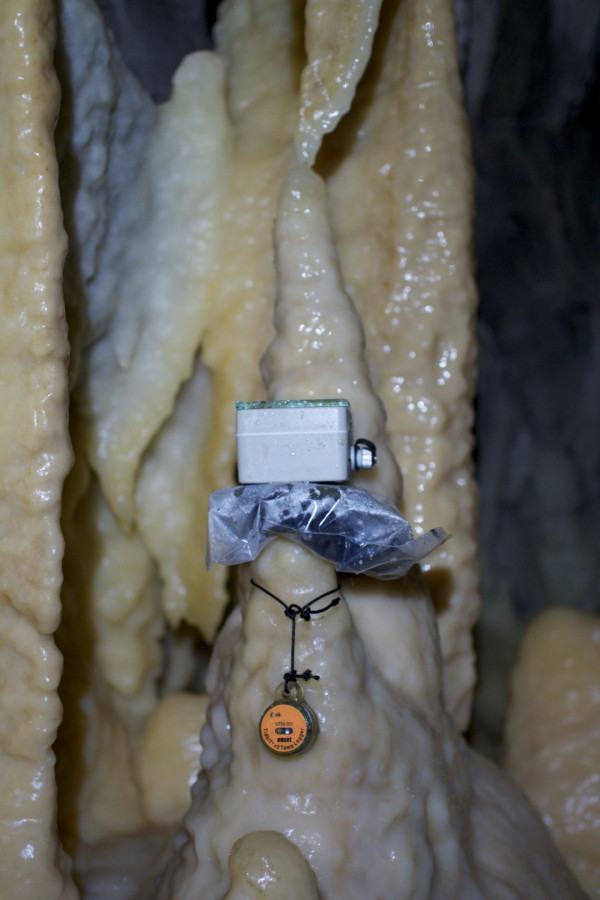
289,726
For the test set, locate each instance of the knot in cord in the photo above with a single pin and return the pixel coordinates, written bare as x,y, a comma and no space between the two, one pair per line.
293,677
292,611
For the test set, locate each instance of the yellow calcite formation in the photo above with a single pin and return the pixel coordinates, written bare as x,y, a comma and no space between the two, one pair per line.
169,756
35,453
388,801
400,186
318,348
261,44
280,873
338,37
553,733
171,312
160,441
131,376
124,577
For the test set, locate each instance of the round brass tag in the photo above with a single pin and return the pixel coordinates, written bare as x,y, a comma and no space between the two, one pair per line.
288,727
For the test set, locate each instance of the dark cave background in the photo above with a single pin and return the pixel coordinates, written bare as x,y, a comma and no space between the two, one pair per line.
531,76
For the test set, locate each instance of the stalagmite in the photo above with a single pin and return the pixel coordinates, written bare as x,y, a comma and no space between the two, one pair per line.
388,801
280,873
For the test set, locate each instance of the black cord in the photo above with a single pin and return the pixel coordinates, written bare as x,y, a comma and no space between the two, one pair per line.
294,611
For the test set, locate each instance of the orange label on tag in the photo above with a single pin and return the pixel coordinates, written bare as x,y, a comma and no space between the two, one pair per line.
284,728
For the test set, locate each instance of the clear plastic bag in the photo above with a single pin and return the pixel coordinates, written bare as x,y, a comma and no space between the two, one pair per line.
342,524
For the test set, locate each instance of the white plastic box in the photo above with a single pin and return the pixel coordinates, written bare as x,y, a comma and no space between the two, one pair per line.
293,440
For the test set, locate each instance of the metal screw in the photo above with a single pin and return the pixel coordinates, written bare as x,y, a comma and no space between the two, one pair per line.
365,454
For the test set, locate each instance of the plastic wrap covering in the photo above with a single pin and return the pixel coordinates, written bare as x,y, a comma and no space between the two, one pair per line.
345,525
